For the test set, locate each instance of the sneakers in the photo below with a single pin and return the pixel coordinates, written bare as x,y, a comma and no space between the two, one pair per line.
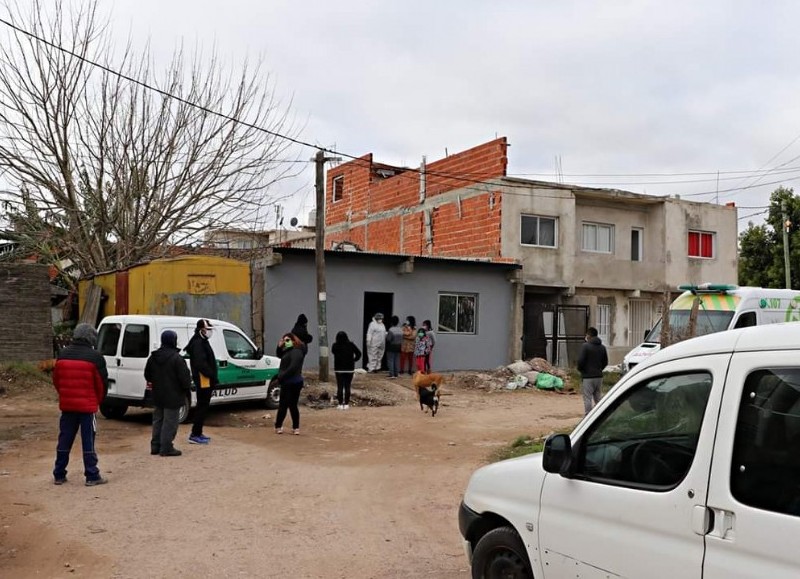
296,431
346,407
199,439
279,431
172,452
60,481
155,451
93,482
340,407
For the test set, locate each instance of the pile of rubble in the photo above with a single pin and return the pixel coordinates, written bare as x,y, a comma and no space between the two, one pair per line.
534,373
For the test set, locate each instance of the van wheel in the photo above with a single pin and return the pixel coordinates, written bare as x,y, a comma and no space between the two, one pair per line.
500,554
183,415
113,411
273,394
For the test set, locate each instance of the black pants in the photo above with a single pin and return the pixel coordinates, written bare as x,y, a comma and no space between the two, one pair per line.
343,381
203,402
290,396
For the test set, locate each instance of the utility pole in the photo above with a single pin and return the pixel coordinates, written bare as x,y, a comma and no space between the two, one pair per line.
786,226
319,251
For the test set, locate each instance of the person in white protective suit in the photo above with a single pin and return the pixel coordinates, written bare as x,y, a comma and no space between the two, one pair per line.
376,343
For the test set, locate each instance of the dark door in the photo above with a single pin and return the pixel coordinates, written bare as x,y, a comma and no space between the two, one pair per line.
375,302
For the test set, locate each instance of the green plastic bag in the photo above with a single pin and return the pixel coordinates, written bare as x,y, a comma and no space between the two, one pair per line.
549,382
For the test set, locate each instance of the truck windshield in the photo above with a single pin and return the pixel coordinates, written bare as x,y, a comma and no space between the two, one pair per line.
708,322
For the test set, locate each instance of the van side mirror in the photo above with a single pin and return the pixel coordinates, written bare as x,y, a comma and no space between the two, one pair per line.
557,457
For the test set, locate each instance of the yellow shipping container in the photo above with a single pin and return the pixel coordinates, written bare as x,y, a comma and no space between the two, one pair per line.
201,286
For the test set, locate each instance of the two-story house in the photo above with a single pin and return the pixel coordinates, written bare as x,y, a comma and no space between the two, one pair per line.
590,256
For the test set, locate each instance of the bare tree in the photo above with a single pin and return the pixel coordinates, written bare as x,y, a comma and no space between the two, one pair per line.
105,171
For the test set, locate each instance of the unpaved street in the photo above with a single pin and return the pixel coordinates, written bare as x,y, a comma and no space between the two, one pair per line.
369,492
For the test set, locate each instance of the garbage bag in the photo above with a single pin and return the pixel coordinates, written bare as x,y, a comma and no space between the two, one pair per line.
546,381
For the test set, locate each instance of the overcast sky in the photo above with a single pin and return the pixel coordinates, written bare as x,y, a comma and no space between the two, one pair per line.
612,87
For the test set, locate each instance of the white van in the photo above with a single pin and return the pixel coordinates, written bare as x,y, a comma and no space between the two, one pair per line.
722,307
689,467
126,342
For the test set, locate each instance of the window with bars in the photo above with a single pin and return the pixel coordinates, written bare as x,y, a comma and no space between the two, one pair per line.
603,321
701,244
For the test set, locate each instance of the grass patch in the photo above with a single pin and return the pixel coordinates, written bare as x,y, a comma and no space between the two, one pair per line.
523,445
20,377
609,379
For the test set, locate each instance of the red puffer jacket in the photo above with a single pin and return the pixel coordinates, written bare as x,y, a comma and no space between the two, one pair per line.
81,378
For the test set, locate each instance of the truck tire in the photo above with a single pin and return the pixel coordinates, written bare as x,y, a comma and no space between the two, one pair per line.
113,411
500,554
186,410
273,394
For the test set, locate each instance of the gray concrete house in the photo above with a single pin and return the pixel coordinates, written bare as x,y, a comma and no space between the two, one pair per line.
468,301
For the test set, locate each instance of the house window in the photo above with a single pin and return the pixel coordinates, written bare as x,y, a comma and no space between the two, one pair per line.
701,244
636,244
603,314
338,188
538,231
458,313
598,238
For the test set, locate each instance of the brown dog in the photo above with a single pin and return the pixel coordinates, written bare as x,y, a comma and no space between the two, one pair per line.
421,380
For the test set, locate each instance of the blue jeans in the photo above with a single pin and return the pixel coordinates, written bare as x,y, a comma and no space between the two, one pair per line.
393,359
68,429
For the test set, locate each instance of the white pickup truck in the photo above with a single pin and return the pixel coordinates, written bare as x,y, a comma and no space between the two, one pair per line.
688,468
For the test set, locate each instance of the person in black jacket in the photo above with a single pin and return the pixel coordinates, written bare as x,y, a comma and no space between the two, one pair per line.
204,374
290,377
591,361
171,381
300,329
345,355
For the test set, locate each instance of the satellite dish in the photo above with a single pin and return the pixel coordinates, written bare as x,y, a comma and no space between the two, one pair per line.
293,222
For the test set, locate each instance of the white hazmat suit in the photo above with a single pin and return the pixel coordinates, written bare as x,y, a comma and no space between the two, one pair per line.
376,343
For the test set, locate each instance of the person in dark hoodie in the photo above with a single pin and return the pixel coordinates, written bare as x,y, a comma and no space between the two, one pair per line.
300,329
81,380
345,355
171,382
204,374
290,377
591,361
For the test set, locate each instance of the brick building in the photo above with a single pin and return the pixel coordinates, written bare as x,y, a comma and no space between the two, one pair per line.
594,256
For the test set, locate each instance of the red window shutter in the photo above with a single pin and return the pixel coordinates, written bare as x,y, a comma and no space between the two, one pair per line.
694,244
707,245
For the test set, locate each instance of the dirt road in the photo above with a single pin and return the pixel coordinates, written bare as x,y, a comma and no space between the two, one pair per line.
369,492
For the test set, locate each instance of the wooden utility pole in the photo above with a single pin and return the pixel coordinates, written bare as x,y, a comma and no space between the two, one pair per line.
319,251
692,327
666,330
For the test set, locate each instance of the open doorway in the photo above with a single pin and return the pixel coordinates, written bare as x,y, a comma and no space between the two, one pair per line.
375,302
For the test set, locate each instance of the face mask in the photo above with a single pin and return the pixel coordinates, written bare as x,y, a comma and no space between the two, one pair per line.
288,344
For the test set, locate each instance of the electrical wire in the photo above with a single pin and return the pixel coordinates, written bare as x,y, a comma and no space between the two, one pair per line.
429,173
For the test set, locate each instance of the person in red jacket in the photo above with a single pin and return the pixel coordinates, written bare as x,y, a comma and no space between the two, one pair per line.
81,380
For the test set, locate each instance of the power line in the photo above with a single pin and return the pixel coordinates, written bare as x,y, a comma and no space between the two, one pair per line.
428,172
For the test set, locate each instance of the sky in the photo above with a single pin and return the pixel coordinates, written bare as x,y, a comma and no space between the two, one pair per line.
680,97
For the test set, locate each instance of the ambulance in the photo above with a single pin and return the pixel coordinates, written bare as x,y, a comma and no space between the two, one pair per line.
721,307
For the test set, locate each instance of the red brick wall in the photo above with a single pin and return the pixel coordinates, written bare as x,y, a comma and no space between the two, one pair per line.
474,232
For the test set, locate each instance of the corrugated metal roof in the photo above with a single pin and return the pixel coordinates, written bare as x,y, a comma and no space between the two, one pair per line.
403,256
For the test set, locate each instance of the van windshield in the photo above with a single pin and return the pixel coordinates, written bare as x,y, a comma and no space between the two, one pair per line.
708,322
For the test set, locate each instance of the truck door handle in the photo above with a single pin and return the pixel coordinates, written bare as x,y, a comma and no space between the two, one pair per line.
722,524
119,362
